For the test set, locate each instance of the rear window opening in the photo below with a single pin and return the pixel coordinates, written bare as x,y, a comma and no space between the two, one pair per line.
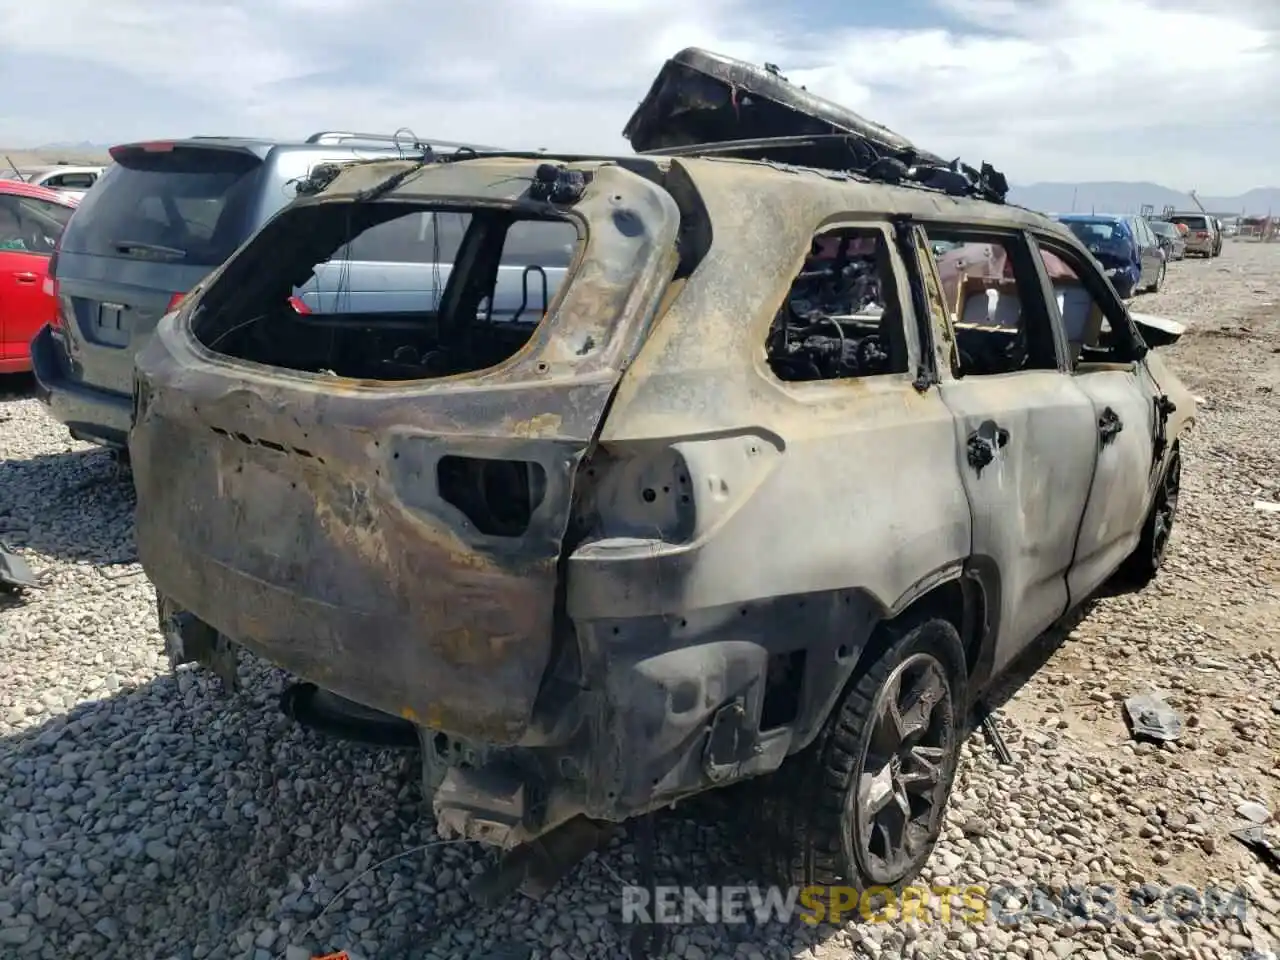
189,205
388,291
1098,231
1191,223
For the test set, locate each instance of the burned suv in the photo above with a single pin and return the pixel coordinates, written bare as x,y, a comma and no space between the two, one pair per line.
769,489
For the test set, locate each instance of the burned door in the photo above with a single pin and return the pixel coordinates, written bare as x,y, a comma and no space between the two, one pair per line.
1124,399
1025,433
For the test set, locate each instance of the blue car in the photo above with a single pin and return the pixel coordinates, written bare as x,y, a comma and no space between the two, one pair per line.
1127,248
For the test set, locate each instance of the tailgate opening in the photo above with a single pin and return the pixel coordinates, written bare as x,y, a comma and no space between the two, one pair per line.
392,291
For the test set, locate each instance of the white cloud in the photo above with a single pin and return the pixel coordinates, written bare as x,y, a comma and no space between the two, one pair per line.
1045,89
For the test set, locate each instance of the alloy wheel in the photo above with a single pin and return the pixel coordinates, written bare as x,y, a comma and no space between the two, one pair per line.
901,787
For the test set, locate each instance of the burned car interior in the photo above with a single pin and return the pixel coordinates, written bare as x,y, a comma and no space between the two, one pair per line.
445,319
991,290
841,317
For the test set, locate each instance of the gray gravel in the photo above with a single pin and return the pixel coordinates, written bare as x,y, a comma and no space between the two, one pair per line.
147,815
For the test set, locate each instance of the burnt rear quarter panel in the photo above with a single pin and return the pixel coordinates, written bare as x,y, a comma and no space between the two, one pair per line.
814,507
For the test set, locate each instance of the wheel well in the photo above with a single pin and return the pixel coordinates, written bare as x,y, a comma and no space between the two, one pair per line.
960,601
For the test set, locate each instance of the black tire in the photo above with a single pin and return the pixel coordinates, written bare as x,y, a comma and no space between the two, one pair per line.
809,818
1155,287
1141,566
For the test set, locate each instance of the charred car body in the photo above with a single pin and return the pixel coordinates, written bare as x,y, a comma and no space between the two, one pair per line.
763,487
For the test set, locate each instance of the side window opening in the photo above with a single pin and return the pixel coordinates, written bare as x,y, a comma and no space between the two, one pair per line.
1090,338
841,318
996,305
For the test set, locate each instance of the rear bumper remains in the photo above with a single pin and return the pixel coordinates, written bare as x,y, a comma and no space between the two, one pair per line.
98,416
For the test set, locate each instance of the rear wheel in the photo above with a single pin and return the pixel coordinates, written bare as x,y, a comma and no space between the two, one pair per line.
1155,287
863,805
1141,566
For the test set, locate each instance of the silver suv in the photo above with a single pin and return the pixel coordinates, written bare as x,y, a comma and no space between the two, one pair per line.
166,213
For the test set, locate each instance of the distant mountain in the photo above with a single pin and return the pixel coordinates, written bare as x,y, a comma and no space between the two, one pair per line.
83,146
1118,197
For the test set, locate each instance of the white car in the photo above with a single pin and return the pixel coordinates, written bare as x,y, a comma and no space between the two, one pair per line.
74,181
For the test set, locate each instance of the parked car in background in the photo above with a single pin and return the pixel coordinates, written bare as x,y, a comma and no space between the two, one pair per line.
32,220
1202,236
65,178
76,181
1125,245
1171,240
167,213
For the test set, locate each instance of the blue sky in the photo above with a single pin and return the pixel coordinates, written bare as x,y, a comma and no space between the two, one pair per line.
1183,92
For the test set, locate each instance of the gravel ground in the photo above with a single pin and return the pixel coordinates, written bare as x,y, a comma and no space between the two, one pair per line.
147,815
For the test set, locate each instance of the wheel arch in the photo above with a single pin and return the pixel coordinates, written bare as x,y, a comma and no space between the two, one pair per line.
966,594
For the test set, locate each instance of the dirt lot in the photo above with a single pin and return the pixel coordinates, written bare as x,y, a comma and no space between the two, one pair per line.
144,815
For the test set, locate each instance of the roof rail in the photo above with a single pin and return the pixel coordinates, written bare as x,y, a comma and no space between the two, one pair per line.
405,138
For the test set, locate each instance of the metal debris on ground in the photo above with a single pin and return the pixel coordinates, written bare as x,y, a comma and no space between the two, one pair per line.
1151,718
15,573
993,736
1256,839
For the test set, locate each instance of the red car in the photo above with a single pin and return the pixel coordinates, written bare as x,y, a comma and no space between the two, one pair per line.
31,222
